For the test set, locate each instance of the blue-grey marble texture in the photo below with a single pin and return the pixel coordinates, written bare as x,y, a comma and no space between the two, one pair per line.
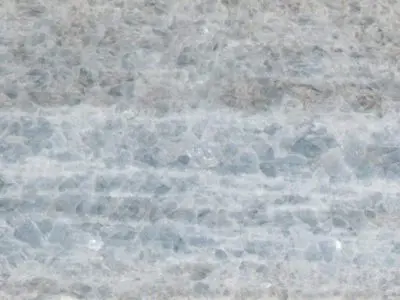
200,149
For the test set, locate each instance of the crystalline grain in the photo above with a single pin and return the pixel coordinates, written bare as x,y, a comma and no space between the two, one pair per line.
328,249
313,253
308,216
29,233
201,288
68,202
155,150
238,162
131,209
268,169
220,254
121,235
13,152
263,150
205,156
165,236
60,234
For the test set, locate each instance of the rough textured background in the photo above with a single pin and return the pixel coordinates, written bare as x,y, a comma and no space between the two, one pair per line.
199,149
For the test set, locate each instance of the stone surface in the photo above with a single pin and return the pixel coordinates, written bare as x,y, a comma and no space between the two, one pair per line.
164,150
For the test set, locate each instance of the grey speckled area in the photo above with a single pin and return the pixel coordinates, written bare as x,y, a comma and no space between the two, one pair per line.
199,150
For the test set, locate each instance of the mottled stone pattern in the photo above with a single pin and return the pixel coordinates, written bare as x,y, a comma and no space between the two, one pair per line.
167,56
199,150
122,207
